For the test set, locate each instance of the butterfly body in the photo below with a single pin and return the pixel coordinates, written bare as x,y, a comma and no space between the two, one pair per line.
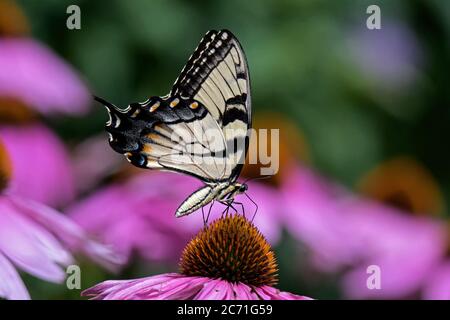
222,192
201,128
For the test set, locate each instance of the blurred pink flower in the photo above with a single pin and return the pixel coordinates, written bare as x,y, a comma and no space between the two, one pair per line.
347,233
405,248
36,238
173,286
313,217
437,286
39,241
41,167
138,215
35,75
93,160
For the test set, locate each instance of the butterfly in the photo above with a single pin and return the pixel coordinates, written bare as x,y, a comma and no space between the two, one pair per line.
201,128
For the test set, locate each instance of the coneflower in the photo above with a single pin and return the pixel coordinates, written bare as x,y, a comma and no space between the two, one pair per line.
228,259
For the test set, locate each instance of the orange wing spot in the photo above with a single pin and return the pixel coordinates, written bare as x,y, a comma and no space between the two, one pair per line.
194,105
135,113
154,106
147,148
153,136
174,102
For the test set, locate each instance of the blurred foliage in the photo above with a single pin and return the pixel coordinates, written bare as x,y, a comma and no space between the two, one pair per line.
301,64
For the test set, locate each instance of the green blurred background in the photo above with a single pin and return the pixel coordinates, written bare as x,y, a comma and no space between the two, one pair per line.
306,61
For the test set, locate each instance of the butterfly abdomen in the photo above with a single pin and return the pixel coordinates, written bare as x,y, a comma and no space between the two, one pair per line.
202,197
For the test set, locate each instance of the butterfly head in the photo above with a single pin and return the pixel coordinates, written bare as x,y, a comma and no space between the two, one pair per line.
242,188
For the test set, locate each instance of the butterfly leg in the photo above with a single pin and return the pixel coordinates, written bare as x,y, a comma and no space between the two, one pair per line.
205,220
241,205
203,216
231,202
227,205
209,211
256,206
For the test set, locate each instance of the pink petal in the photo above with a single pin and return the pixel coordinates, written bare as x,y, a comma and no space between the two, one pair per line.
30,246
173,286
11,286
105,288
94,160
270,293
69,232
214,289
438,284
41,167
127,289
182,289
152,288
313,216
34,74
243,292
394,242
166,286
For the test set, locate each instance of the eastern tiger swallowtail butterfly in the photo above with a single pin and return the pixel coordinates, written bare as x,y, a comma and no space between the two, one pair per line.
201,128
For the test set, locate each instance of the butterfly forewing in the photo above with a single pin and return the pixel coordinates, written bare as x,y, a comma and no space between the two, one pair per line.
201,127
168,138
217,75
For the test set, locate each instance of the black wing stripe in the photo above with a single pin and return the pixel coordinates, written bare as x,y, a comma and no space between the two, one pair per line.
239,99
206,54
233,114
146,135
241,75
203,45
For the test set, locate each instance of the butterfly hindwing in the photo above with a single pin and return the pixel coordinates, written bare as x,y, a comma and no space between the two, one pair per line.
169,134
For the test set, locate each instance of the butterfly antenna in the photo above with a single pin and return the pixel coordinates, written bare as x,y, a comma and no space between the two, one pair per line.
108,105
256,205
258,178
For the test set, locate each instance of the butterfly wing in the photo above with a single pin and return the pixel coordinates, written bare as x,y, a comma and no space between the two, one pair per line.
158,135
201,127
217,76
